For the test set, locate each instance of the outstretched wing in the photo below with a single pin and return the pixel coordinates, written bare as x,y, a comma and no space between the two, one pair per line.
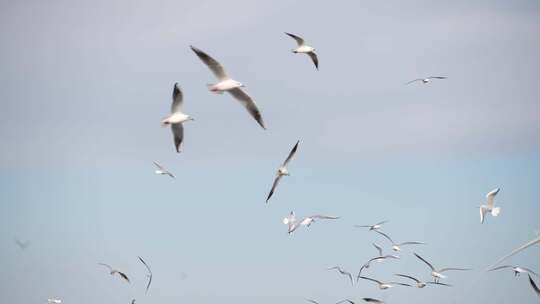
370,279
437,77
123,275
102,264
249,104
427,263
408,277
417,79
379,249
491,197
177,99
211,63
520,248
534,287
411,243
452,268
178,135
274,185
150,274
299,40
291,154
385,235
438,283
314,58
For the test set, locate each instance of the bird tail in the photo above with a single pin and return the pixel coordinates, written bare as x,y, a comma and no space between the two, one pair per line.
495,211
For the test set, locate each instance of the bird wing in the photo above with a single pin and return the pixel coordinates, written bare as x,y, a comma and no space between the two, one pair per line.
324,217
437,77
150,272
379,249
360,271
291,154
249,104
362,226
177,99
491,197
212,64
160,167
380,223
370,279
409,277
530,271
422,259
417,79
372,300
534,287
482,214
411,243
123,275
178,134
398,283
438,283
346,300
102,264
314,58
520,248
312,301
299,40
385,235
274,185
452,268
501,267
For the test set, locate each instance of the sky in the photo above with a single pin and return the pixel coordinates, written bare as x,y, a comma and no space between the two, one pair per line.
84,85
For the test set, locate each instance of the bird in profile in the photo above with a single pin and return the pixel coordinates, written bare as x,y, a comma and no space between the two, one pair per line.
489,206
426,80
54,301
23,245
304,49
383,285
114,271
162,171
377,259
372,300
516,269
177,118
343,272
149,275
397,246
226,84
534,286
282,171
419,283
437,273
293,223
372,227
520,248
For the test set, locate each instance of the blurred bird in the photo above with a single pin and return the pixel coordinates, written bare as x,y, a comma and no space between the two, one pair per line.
113,272
488,207
437,273
282,170
162,171
426,80
149,275
516,269
372,227
304,49
384,286
343,272
293,224
419,283
397,246
22,245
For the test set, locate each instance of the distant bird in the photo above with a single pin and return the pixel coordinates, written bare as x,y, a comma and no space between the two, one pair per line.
426,80
282,171
293,223
177,118
114,271
304,49
397,246
534,287
22,245
419,283
54,301
372,300
226,84
385,285
312,301
437,273
516,269
372,227
520,248
345,300
488,207
149,275
343,272
378,259
162,171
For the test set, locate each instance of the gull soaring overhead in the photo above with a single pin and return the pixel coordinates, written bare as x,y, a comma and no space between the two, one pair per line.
372,227
114,271
176,118
437,273
304,49
419,283
426,80
488,207
162,171
282,171
149,275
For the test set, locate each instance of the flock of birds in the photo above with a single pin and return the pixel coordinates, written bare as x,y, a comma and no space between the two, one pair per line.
226,84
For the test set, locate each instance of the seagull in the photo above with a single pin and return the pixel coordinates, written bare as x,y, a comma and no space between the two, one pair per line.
113,272
305,49
372,300
372,227
534,287
426,80
22,245
149,275
293,224
437,273
54,301
419,283
345,300
343,272
520,248
162,171
177,117
378,259
385,285
488,207
282,171
517,270
397,246
227,84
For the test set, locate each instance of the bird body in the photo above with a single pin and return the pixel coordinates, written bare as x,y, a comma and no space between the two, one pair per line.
303,49
225,85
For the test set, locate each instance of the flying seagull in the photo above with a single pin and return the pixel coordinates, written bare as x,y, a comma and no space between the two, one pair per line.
229,85
293,223
372,300
520,248
305,49
162,171
385,285
282,171
488,207
534,287
378,259
343,272
22,245
372,227
516,269
426,80
397,246
176,118
149,275
113,272
419,283
437,273
345,300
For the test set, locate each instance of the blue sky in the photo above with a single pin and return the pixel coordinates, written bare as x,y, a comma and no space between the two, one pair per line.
84,86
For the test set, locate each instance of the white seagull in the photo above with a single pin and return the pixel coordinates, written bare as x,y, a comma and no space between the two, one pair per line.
372,227
149,275
293,223
419,283
54,301
488,207
343,272
534,287
304,49
282,171
383,285
437,273
114,271
226,84
176,118
427,79
397,246
162,171
516,269
520,248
